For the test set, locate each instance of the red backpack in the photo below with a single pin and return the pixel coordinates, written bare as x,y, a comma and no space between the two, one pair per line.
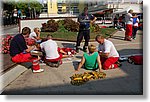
136,59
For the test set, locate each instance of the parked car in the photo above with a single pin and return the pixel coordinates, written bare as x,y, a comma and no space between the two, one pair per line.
108,20
99,20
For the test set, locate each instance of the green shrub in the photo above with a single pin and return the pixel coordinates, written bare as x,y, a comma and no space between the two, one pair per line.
94,28
51,26
71,25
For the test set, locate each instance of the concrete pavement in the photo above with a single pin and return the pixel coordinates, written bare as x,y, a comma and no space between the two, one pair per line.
127,79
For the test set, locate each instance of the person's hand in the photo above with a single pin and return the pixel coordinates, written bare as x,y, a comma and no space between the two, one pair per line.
100,70
91,22
30,48
76,70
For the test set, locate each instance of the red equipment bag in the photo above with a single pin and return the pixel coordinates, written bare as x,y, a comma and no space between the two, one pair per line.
136,59
72,51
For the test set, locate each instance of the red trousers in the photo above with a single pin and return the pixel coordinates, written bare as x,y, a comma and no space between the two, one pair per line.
20,58
109,63
128,33
56,59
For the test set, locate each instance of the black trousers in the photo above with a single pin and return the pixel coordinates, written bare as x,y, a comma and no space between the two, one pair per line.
81,34
135,29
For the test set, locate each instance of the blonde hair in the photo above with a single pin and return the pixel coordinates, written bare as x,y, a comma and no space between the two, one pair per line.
130,11
36,29
92,48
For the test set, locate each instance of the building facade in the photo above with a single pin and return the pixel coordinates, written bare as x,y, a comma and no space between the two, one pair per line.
73,7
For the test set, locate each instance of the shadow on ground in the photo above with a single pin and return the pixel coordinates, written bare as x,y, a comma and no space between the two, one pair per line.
70,45
131,84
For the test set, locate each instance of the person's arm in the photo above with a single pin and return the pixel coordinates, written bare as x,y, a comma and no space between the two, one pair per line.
92,21
137,20
99,63
81,63
30,48
104,54
63,52
38,36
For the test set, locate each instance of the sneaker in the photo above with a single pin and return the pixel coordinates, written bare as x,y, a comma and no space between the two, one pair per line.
57,64
85,49
77,50
38,71
134,38
119,64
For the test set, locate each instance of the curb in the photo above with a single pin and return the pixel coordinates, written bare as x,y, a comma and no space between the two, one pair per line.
11,75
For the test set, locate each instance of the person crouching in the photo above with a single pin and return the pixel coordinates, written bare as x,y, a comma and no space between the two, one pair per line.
53,54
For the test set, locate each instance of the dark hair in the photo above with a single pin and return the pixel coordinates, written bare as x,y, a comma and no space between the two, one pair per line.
86,8
49,35
134,14
99,36
26,30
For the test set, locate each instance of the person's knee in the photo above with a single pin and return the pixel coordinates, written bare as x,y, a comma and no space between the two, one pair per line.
106,66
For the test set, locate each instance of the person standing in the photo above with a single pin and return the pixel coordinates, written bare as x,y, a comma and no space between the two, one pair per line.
115,22
20,53
129,23
135,25
84,20
108,53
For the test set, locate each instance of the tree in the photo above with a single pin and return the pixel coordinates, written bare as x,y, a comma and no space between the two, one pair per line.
23,6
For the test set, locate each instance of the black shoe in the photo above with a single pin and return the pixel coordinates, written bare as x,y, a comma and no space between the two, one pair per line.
119,64
85,49
77,50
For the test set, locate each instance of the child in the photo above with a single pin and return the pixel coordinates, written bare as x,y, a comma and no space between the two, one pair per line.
90,60
135,25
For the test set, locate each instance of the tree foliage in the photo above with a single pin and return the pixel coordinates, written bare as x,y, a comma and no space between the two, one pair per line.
22,5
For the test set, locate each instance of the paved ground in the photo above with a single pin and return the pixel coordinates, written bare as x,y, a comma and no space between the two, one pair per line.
11,29
127,79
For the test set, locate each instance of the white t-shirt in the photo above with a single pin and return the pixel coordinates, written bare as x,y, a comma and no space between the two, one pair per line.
129,19
32,35
51,49
108,47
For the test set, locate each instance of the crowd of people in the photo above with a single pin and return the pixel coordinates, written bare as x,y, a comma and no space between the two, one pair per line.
103,58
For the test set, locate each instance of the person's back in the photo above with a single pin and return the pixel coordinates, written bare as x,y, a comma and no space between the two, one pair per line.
108,46
51,49
17,45
91,60
128,18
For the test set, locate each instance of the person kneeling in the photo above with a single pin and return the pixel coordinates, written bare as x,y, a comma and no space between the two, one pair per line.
108,53
53,54
91,60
